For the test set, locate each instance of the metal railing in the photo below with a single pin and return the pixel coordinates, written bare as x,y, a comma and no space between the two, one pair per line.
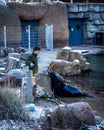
27,37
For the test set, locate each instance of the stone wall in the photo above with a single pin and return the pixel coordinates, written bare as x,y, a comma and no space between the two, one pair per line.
92,15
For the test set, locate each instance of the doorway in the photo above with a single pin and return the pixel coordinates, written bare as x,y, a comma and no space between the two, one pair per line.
31,36
75,32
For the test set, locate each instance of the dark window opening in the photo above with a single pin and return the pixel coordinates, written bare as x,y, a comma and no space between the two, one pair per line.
78,27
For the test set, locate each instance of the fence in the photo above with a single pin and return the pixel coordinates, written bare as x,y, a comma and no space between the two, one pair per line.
27,37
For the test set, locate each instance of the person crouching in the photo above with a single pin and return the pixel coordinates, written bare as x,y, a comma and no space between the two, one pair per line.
32,62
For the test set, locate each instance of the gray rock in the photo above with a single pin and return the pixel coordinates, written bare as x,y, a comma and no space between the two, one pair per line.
83,8
2,52
65,67
28,11
73,8
12,63
15,55
9,19
18,73
20,50
71,56
13,78
71,116
24,56
102,15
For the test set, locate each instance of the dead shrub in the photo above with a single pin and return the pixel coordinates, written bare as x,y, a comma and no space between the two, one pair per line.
10,106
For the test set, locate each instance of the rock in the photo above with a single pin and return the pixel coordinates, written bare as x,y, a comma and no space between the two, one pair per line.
71,116
20,50
9,19
74,54
28,11
32,1
10,50
65,67
12,63
27,89
2,2
84,65
13,78
15,55
18,73
24,56
3,62
26,1
10,81
64,53
2,52
70,55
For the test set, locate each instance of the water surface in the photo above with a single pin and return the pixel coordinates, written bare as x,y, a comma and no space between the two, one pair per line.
92,82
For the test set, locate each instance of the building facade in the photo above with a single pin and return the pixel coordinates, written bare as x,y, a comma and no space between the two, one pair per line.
74,22
86,23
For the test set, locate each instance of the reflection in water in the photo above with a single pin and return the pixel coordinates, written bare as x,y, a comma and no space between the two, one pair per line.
96,61
92,79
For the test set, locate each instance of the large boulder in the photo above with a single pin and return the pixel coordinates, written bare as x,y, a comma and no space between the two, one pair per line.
9,19
13,61
28,11
68,54
65,67
70,116
64,53
25,55
13,78
18,73
74,54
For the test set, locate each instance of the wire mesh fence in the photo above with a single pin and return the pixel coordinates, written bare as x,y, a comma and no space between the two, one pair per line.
27,37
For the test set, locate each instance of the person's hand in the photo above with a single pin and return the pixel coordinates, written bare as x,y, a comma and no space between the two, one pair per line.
31,65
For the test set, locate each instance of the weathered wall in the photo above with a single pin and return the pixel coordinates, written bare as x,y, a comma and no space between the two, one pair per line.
52,14
93,15
9,19
56,15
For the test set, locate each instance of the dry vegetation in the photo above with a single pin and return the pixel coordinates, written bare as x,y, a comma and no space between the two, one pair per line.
11,106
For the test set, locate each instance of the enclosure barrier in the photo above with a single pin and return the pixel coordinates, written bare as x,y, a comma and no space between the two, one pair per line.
27,37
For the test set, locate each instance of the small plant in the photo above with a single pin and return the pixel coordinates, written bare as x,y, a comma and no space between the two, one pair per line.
10,106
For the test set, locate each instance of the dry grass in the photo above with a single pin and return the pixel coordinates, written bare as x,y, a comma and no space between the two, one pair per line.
10,105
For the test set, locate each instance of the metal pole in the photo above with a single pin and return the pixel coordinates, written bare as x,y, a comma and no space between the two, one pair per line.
5,42
46,37
71,1
29,46
52,37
